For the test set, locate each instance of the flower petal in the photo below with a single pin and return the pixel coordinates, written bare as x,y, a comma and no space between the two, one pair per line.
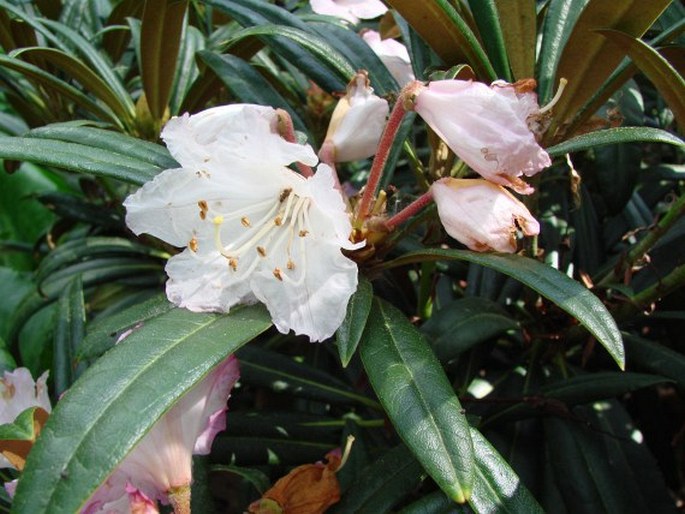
393,55
482,215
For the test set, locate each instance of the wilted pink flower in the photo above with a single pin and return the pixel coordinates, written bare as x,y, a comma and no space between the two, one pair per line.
159,467
482,215
19,392
350,10
487,127
393,54
357,122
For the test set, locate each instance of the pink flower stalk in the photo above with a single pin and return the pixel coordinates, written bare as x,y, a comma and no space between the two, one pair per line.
349,10
482,215
393,54
160,466
357,122
19,392
489,128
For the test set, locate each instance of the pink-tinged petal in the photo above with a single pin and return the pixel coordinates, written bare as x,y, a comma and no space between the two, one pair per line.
357,122
349,10
482,215
139,502
162,460
393,55
19,392
11,487
486,127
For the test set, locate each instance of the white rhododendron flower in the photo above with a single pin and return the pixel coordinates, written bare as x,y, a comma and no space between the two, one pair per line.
160,465
393,54
487,127
19,392
357,122
482,215
350,10
254,230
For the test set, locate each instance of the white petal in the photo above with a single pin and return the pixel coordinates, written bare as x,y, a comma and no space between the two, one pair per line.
393,54
365,9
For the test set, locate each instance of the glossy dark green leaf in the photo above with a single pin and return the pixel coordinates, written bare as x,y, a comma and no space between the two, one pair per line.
69,330
23,428
79,158
434,503
655,358
255,13
382,484
667,80
518,21
566,293
350,332
247,84
103,333
447,33
597,386
560,18
159,44
192,42
497,488
283,374
135,384
418,398
490,26
615,136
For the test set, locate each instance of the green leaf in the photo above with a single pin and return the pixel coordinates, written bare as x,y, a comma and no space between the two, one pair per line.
283,374
497,488
614,136
160,39
589,58
491,27
418,398
382,484
247,84
566,293
23,428
79,158
187,70
667,80
103,333
69,329
350,332
518,20
447,33
656,358
598,386
135,383
434,503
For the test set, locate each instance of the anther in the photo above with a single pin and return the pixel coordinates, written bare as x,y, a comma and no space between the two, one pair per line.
245,221
285,194
278,221
303,233
192,244
203,209
277,274
233,263
290,265
261,251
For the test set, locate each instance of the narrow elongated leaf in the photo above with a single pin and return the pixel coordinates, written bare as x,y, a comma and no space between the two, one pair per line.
518,20
68,91
490,26
135,384
566,293
187,71
78,158
560,18
418,398
497,488
247,84
350,332
589,58
447,33
667,80
160,39
598,386
382,484
656,358
69,331
614,136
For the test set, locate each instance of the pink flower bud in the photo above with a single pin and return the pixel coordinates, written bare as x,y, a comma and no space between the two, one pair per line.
482,215
487,127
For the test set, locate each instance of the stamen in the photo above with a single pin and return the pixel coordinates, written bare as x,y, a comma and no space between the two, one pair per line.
261,251
303,233
277,274
245,222
285,194
278,221
233,263
290,265
192,244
